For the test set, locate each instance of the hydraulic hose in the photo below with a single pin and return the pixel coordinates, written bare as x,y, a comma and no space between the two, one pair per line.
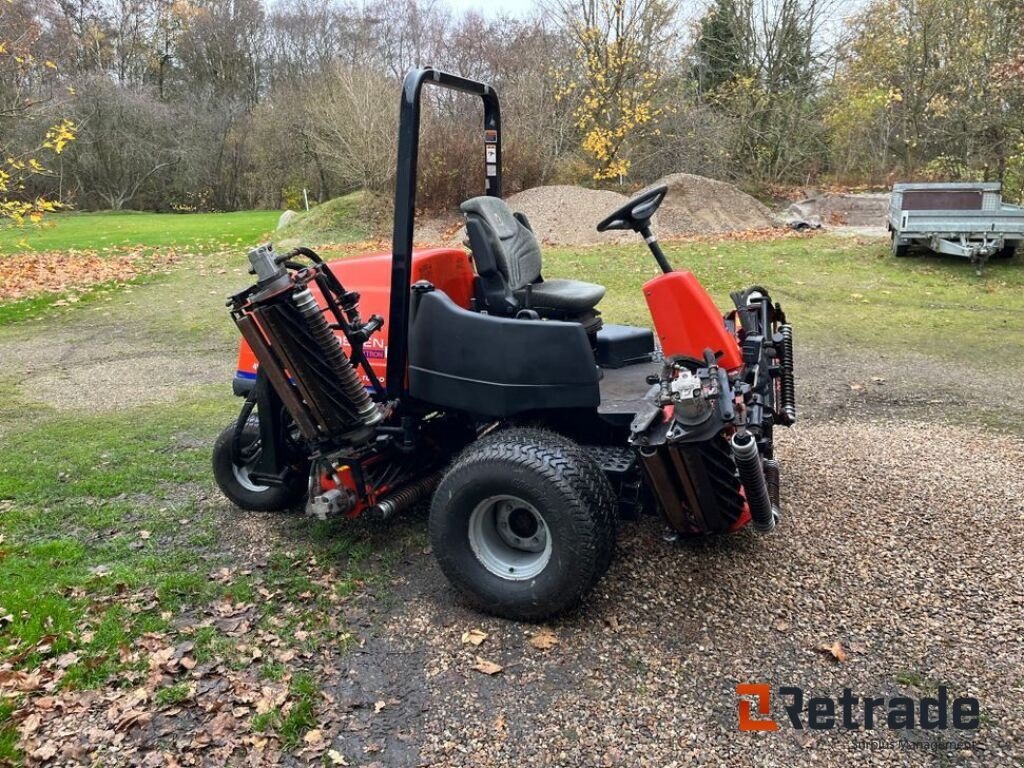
748,462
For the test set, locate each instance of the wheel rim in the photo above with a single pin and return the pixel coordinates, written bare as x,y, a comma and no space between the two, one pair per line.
510,537
241,474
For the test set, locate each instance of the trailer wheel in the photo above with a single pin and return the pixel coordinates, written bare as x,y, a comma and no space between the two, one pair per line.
899,251
1006,252
521,524
235,483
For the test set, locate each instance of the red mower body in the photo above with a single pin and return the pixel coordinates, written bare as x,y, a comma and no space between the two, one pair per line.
687,321
449,269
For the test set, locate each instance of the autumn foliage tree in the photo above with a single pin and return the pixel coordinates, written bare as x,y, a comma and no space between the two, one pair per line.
20,74
621,47
926,89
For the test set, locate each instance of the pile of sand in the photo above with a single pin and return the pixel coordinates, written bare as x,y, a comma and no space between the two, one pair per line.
696,205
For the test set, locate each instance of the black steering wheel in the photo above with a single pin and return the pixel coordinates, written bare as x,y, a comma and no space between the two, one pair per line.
635,214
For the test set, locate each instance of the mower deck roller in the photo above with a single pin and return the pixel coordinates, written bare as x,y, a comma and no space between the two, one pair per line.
502,397
307,366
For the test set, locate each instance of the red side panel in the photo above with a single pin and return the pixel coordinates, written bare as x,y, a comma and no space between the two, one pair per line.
687,320
448,269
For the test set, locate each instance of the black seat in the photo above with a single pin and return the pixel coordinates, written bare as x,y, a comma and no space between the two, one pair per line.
508,261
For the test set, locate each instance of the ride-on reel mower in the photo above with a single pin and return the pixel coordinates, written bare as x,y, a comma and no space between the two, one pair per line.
500,395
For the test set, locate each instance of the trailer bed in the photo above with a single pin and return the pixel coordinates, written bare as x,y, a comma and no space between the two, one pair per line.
963,219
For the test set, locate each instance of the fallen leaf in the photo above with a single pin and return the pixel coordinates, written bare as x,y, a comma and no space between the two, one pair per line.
67,660
378,707
856,387
336,757
313,737
474,637
835,650
46,752
487,667
144,534
30,724
544,640
782,626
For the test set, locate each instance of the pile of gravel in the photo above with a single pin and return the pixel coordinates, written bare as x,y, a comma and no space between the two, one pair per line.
568,215
697,204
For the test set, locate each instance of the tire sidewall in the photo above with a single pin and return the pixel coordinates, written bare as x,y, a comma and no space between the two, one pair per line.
453,506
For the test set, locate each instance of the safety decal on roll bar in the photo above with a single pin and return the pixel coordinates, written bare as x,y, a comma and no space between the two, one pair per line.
490,137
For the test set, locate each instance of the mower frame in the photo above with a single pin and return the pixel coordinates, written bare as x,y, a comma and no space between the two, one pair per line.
405,202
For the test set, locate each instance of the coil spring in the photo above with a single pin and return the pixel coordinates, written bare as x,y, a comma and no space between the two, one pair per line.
335,357
404,498
788,383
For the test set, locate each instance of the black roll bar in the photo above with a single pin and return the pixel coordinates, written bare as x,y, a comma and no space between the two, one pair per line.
405,200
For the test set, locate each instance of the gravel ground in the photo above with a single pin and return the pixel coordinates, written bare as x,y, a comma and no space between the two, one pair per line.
917,577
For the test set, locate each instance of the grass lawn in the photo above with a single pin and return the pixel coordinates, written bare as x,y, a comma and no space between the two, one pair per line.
109,522
837,291
129,229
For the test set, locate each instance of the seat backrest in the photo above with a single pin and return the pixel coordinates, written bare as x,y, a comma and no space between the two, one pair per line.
503,246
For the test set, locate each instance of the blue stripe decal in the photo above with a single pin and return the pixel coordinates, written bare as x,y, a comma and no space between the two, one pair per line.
252,377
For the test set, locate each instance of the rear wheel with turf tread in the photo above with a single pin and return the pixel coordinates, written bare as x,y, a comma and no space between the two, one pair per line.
600,494
545,486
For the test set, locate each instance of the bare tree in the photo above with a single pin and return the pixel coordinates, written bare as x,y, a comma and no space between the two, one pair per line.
353,127
125,139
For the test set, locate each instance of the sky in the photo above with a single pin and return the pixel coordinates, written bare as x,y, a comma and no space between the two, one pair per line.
518,8
521,8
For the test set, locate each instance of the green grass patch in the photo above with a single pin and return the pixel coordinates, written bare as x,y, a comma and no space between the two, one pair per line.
9,752
173,694
91,512
302,715
345,219
266,721
131,229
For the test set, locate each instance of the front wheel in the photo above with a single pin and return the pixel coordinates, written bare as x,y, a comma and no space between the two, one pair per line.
234,478
521,526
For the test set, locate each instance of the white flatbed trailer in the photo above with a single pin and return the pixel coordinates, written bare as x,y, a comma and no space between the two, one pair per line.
969,220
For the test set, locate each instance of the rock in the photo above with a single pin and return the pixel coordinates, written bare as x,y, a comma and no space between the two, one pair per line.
286,218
